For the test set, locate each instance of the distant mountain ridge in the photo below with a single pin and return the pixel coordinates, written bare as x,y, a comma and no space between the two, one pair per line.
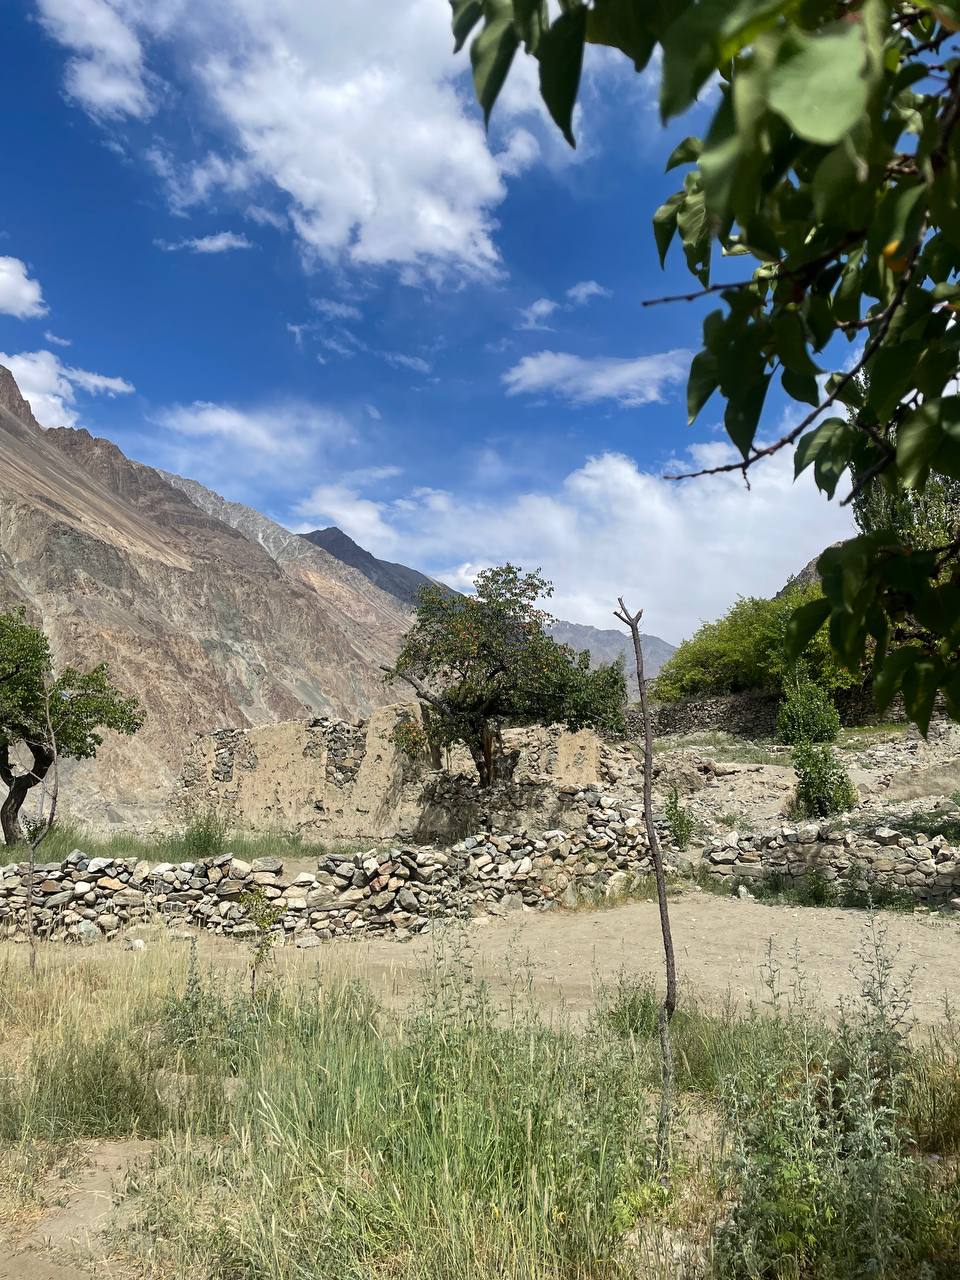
398,579
405,584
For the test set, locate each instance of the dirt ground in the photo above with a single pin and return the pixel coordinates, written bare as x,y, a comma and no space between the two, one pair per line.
721,949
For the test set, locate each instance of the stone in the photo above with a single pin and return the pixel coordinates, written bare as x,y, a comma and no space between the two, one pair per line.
86,933
239,870
134,944
307,939
886,836
272,865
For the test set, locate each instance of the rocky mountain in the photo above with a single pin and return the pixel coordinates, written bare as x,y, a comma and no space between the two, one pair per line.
199,619
402,582
608,646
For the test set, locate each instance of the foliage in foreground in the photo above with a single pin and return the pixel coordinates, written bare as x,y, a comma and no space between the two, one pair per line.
831,168
484,661
747,649
456,1140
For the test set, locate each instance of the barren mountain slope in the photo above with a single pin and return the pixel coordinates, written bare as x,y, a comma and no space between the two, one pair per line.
336,581
199,621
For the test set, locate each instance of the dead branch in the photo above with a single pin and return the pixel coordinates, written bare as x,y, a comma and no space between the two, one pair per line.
667,1009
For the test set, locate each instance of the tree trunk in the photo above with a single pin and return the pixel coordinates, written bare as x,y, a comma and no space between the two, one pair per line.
19,786
670,999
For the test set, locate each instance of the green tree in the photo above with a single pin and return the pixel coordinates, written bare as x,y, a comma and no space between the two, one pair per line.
46,716
831,166
484,661
748,649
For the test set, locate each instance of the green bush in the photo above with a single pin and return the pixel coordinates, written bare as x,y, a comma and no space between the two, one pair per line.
204,836
807,714
746,649
823,785
679,820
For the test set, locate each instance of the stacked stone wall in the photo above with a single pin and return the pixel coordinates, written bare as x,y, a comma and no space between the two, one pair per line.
399,890
927,867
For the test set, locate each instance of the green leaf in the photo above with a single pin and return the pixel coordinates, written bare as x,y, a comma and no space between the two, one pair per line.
921,680
466,15
561,60
532,19
665,223
492,52
819,84
703,381
801,386
693,223
804,625
889,677
790,343
621,24
743,412
685,152
829,447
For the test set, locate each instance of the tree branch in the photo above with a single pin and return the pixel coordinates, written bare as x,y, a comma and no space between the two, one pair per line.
869,351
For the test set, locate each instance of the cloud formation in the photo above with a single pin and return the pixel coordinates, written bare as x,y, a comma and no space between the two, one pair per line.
353,114
588,380
20,296
682,551
105,72
219,242
237,450
51,387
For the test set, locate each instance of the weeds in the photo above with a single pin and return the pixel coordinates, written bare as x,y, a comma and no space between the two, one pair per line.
680,821
461,1141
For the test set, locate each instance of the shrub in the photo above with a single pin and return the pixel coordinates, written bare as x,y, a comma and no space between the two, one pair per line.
823,785
679,820
203,837
746,649
807,714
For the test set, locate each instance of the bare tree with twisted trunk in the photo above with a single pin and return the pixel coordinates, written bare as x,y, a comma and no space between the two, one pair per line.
668,1007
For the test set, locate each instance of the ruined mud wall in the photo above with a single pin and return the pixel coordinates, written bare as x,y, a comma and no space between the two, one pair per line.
343,782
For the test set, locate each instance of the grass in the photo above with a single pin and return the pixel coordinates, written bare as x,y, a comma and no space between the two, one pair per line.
201,838
812,890
308,1134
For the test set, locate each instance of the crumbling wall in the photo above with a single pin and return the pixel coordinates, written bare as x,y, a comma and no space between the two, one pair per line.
339,781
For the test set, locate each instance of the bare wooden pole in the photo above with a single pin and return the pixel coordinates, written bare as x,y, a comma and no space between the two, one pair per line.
668,1007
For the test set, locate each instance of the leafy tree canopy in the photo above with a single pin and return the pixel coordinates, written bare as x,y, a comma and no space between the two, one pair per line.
484,661
831,166
747,649
48,715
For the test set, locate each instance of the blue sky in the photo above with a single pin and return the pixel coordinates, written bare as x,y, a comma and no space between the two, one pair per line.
267,244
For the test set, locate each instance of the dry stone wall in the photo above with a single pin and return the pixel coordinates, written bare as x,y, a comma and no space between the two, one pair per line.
928,867
399,890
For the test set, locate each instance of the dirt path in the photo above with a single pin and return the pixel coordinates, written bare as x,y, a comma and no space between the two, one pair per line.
79,1207
721,948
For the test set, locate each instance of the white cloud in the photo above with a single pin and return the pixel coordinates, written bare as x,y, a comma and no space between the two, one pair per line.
105,73
236,450
357,115
401,361
51,387
334,310
582,380
582,293
342,505
682,551
19,295
57,342
219,242
535,316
